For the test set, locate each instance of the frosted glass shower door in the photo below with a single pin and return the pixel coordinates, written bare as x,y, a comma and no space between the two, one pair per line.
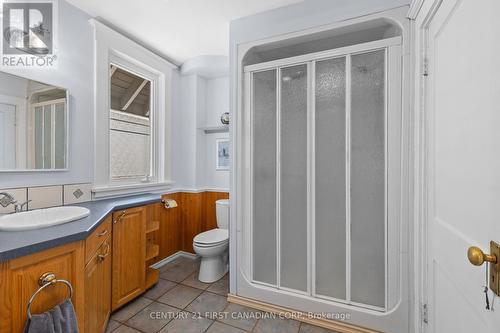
325,179
330,178
280,225
367,190
264,176
350,197
293,190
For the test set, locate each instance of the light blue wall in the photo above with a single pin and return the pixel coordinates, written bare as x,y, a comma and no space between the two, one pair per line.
199,104
304,15
75,73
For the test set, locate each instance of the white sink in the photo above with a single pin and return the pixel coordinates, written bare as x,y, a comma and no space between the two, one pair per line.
41,218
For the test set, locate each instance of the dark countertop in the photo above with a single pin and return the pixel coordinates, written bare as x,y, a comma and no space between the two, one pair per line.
14,244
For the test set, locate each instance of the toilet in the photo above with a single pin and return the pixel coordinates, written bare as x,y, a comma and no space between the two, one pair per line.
212,246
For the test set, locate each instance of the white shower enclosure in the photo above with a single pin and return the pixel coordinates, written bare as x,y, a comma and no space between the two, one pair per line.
320,202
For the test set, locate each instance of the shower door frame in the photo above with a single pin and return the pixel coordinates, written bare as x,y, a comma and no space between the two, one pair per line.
394,316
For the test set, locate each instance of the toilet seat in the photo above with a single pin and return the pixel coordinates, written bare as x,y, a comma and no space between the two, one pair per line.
210,245
212,237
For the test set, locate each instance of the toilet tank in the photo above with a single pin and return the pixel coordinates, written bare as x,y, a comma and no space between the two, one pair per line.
222,213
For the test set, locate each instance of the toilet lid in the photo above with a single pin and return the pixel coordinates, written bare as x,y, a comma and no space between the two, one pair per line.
212,236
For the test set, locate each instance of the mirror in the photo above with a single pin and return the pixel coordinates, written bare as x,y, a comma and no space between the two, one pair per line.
33,125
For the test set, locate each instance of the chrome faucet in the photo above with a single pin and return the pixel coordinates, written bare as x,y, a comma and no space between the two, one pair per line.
19,207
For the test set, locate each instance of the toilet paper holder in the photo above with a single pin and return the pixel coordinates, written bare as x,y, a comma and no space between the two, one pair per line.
169,203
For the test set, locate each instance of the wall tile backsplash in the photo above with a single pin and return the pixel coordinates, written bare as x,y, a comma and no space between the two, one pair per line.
45,196
48,196
19,194
76,193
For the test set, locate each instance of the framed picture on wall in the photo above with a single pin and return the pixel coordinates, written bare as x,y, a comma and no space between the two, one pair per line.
222,158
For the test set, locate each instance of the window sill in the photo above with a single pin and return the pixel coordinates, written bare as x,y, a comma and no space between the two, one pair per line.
114,191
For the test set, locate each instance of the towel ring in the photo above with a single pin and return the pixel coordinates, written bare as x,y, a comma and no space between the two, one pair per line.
47,279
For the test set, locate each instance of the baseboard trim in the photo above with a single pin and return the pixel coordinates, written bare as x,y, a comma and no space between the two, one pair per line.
174,256
333,325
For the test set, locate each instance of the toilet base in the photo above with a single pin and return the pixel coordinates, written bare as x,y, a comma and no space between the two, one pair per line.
212,268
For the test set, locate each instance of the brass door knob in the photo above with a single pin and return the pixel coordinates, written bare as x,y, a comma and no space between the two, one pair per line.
477,257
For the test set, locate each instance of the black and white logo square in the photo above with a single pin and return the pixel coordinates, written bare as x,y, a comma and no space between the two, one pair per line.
28,28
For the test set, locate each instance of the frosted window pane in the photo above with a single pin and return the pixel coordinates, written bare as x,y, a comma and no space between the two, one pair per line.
38,137
330,183
60,135
264,177
368,179
47,137
293,191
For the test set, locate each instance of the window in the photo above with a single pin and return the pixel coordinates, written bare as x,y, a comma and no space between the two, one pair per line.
129,126
132,139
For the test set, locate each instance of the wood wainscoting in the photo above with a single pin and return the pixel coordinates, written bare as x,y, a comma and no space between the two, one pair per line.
194,214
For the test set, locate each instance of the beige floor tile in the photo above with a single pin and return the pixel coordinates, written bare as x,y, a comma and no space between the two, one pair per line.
112,325
180,296
207,303
241,316
125,329
192,281
130,309
178,271
276,325
187,324
153,317
306,328
221,286
159,289
218,327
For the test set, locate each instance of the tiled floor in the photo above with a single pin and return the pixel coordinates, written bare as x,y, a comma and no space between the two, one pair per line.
179,303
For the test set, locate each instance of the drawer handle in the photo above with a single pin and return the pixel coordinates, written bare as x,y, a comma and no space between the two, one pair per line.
103,233
120,217
101,257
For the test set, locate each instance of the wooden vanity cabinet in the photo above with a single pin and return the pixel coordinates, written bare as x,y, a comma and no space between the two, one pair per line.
98,278
107,270
129,255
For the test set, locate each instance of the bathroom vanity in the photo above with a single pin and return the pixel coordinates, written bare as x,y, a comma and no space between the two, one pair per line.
107,263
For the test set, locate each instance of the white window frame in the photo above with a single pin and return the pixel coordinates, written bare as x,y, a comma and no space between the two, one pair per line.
112,48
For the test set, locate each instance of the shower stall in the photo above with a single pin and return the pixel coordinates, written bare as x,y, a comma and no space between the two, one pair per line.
320,210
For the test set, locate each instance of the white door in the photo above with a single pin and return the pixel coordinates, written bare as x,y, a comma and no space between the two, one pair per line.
463,114
7,136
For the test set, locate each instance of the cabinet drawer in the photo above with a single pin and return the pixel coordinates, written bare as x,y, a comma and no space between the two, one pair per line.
94,241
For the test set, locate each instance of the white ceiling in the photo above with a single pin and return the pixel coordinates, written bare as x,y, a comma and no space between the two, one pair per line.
177,29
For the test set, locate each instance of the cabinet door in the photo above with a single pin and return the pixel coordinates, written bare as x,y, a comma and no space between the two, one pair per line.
98,289
129,255
19,280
